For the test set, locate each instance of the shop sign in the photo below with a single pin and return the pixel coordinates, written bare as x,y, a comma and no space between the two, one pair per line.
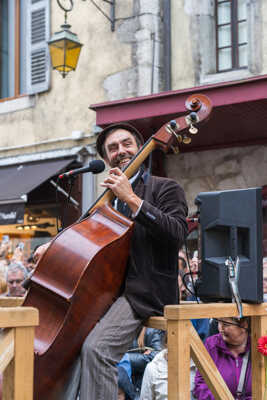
11,213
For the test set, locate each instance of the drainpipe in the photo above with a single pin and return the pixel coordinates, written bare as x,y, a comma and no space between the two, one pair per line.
167,44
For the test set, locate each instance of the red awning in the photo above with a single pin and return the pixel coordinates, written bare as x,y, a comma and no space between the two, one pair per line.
239,116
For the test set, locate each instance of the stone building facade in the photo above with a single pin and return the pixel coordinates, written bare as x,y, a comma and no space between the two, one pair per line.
193,64
157,45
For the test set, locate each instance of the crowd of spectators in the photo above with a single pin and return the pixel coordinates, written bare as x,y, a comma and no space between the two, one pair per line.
143,371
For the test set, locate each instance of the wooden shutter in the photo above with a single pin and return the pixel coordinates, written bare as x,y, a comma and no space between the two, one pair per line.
38,32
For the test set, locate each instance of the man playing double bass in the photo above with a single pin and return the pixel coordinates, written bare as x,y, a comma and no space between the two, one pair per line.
158,208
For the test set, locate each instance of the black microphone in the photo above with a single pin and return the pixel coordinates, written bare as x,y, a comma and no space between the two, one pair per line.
95,166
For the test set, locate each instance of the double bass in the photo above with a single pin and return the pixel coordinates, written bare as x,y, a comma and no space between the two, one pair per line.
81,273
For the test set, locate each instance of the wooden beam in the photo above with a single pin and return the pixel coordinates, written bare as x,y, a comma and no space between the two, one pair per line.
18,316
11,301
23,369
156,323
208,369
8,382
212,310
6,348
178,360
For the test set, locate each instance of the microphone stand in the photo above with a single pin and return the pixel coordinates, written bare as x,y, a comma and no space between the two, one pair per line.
71,180
70,199
59,188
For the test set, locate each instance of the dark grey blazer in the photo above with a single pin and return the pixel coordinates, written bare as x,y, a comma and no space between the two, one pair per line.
160,230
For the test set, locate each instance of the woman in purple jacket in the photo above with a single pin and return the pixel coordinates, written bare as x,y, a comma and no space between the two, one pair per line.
228,349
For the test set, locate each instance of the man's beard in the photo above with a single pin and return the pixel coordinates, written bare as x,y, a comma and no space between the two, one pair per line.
117,161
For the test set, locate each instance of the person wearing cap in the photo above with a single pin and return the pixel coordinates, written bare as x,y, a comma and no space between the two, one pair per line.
159,209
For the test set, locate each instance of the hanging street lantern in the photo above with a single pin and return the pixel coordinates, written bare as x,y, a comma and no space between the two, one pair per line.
64,47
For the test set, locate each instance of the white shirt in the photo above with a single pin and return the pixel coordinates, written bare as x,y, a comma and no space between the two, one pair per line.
155,380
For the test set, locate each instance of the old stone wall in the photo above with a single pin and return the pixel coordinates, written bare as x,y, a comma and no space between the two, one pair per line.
224,169
143,31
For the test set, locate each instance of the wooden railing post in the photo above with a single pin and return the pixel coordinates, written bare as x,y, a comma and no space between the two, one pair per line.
207,368
23,362
17,358
8,382
178,340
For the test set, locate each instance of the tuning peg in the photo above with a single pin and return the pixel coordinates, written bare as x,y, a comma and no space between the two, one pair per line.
193,116
173,124
195,103
193,130
186,139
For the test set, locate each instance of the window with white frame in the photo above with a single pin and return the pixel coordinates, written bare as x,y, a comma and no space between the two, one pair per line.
231,35
24,60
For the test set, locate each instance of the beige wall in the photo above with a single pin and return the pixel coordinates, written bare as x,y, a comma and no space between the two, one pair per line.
181,38
64,108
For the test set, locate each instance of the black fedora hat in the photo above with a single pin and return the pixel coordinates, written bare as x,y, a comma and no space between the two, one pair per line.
122,125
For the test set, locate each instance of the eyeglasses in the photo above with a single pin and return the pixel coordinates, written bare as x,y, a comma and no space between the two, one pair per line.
227,323
17,281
